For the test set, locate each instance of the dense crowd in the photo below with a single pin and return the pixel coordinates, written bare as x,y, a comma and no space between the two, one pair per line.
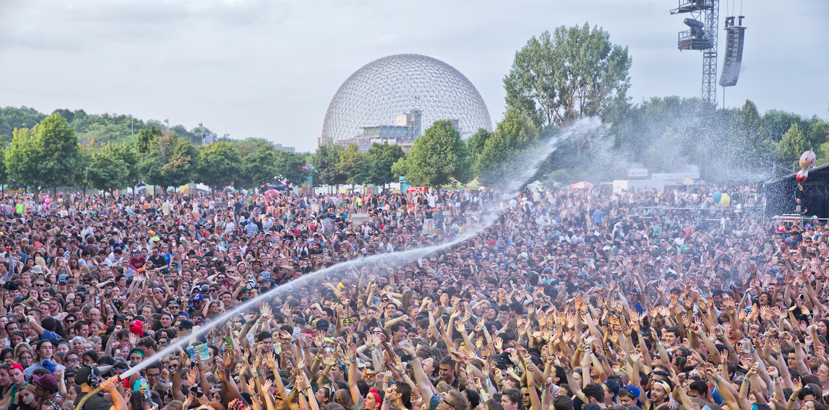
571,300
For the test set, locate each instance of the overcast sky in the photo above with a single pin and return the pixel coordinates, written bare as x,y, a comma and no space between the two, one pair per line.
263,68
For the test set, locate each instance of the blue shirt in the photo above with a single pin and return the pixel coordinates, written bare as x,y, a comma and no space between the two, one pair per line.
597,217
49,335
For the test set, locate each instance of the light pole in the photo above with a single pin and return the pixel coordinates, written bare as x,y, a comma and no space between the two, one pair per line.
131,126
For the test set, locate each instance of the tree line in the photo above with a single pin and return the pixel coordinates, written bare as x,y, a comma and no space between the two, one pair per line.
554,80
50,155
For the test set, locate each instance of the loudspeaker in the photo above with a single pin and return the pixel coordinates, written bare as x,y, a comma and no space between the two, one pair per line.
735,38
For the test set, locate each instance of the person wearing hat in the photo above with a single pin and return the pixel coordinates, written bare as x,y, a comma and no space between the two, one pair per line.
86,377
18,380
611,389
46,389
629,396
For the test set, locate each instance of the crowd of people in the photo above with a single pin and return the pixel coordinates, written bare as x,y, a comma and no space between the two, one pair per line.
570,300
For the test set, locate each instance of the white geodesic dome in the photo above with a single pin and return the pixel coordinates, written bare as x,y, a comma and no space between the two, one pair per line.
398,84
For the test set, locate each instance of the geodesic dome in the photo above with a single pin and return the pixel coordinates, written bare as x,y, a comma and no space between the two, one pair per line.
385,88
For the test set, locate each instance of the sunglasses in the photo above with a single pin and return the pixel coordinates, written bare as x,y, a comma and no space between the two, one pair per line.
443,400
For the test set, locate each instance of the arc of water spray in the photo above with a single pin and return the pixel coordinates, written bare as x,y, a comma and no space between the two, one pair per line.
525,167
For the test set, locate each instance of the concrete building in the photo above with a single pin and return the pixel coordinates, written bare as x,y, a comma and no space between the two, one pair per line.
280,147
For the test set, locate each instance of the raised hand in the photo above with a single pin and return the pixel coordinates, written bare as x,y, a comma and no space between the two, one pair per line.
283,335
459,326
191,376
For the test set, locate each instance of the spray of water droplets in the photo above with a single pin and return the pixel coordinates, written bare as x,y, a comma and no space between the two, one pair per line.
524,167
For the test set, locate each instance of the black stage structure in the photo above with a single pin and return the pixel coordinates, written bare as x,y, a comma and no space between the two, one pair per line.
782,193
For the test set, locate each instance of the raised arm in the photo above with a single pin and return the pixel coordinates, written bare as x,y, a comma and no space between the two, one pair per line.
353,377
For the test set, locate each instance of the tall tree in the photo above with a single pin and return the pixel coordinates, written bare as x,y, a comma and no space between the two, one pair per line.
4,175
439,156
260,166
817,133
572,73
169,161
400,168
792,144
291,168
326,163
476,142
382,157
23,117
113,167
146,138
512,137
218,165
21,159
354,165
52,148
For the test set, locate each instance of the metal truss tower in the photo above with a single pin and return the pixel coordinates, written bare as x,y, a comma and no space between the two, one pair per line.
704,26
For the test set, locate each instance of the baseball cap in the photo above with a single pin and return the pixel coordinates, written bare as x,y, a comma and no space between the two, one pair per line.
137,327
47,382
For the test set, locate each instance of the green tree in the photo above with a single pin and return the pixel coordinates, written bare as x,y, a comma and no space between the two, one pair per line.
146,138
23,117
572,73
439,156
260,166
100,129
792,144
817,133
115,166
4,176
21,159
382,157
65,113
354,165
400,168
218,165
326,163
476,143
169,161
51,148
776,123
291,167
513,136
